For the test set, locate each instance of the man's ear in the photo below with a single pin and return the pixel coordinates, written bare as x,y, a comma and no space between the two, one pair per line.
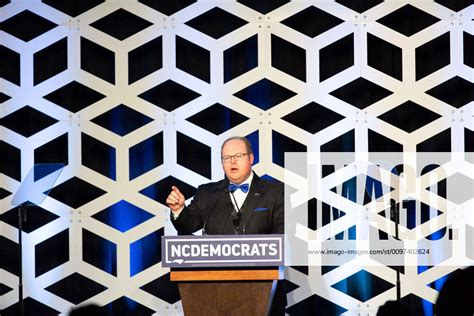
251,158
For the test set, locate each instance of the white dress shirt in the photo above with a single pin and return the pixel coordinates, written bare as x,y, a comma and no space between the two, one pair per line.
239,195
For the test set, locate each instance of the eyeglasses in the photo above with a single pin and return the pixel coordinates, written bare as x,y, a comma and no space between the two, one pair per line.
237,157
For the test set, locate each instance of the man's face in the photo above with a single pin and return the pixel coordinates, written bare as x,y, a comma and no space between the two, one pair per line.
237,171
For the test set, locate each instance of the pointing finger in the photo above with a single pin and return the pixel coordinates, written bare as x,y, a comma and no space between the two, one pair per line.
176,190
174,195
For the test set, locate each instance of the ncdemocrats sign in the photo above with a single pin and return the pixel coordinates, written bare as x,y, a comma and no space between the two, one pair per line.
222,250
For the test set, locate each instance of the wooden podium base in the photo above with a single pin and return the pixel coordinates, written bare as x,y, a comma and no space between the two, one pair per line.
225,292
225,298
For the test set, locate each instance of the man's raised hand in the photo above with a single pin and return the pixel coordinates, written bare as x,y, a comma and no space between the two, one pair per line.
175,199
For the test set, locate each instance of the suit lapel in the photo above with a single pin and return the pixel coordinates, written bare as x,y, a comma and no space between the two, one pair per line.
254,195
221,218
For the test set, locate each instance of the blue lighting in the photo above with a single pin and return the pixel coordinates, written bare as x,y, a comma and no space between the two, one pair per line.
253,139
123,216
349,191
145,252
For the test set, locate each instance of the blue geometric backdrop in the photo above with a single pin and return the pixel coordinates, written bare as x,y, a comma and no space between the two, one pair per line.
136,96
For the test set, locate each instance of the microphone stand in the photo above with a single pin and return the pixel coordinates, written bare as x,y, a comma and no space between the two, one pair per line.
22,210
237,218
396,217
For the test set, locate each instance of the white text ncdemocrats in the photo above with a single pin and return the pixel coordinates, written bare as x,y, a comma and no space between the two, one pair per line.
224,250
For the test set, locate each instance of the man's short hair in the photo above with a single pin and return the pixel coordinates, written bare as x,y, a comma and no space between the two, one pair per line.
248,145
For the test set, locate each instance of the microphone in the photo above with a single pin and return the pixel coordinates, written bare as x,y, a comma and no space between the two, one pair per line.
395,215
210,213
237,221
237,217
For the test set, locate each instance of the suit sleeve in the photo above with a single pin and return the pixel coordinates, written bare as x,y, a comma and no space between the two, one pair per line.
191,218
278,221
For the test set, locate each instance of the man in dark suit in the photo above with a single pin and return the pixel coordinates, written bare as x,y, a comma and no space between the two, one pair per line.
242,203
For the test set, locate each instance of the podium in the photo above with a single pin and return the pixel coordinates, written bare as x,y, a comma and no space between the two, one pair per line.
226,291
224,275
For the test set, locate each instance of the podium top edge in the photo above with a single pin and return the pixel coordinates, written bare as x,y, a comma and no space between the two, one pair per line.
226,275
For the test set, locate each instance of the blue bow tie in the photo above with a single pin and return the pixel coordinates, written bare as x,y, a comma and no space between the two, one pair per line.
244,187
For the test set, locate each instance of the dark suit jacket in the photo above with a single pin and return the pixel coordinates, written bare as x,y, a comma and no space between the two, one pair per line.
212,209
